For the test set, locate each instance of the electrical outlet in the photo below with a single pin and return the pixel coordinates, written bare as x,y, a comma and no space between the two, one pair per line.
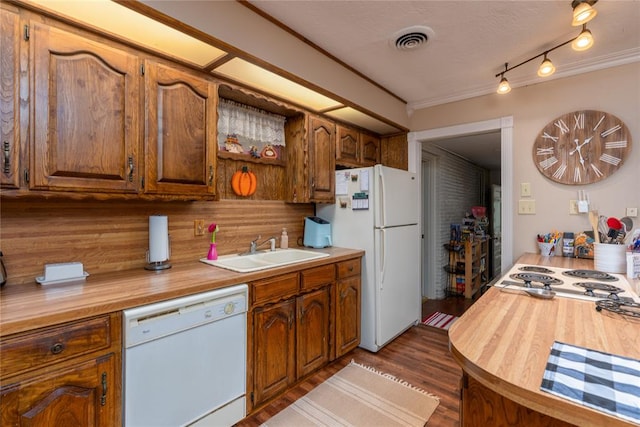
525,189
573,207
198,227
632,212
527,207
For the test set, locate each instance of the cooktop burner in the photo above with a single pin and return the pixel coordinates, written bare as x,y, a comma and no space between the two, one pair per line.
590,274
535,269
595,286
631,309
527,278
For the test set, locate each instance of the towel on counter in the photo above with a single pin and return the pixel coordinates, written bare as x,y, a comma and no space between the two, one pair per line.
601,381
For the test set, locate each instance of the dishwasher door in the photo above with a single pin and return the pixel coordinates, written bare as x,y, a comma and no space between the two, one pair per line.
185,360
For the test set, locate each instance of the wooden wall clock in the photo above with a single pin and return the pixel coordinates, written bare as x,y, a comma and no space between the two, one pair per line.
582,147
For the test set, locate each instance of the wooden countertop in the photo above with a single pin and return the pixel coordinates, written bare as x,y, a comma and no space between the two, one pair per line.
503,342
26,307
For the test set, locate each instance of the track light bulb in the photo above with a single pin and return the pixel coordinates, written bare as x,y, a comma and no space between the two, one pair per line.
504,86
583,13
584,41
546,68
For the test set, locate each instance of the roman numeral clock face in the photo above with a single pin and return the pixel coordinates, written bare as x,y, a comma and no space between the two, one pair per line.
582,147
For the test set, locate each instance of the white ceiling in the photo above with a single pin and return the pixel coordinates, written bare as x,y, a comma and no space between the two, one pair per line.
469,43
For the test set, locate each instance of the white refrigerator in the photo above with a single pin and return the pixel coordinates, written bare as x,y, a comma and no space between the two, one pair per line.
377,209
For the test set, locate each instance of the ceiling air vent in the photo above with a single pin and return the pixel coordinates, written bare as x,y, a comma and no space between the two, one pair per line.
411,38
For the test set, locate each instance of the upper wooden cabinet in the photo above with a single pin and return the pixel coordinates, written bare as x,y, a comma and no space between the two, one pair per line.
180,132
310,159
85,114
395,151
355,148
9,99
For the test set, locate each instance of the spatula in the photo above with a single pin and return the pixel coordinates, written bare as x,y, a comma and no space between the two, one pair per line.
593,220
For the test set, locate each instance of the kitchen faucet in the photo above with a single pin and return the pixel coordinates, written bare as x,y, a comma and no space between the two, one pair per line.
254,245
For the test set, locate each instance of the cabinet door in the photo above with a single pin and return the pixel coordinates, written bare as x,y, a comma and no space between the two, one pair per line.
82,395
9,99
347,148
85,122
180,132
322,159
347,315
274,350
370,149
312,331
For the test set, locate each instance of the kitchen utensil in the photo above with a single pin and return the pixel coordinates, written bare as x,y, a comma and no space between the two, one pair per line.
593,220
534,292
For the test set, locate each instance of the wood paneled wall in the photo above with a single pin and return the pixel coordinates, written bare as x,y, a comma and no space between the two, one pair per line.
114,235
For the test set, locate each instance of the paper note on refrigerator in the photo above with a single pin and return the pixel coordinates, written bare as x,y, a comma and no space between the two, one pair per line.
342,180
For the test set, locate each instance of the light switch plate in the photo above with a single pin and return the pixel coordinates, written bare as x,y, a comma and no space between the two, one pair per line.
527,207
525,189
573,207
632,212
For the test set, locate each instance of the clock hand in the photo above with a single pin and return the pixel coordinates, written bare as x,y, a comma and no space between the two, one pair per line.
578,147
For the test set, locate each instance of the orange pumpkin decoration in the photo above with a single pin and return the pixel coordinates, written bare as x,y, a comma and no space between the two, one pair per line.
244,182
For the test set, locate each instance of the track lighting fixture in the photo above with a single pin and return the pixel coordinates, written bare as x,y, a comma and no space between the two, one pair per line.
504,86
583,11
584,41
546,68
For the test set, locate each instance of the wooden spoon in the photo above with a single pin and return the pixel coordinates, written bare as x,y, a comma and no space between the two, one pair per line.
593,220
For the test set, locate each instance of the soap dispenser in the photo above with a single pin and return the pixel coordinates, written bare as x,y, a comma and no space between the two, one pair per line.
284,239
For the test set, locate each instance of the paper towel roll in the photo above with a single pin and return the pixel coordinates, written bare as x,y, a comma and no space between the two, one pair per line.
158,238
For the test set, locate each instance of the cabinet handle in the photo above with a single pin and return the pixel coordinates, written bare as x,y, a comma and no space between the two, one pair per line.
290,320
57,348
343,295
313,183
131,168
210,174
103,398
7,156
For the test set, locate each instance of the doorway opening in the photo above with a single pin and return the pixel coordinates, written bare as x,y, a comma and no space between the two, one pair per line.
434,231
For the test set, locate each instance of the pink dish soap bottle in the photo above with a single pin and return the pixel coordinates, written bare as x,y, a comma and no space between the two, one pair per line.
284,239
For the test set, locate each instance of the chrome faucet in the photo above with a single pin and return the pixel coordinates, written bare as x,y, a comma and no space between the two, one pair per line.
254,245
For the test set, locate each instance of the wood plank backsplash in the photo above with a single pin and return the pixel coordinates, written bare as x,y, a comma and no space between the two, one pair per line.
114,235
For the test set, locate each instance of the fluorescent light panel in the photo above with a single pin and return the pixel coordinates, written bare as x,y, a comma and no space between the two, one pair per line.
353,116
136,28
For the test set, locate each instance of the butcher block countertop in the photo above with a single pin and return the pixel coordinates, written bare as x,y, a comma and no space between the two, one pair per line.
504,339
26,307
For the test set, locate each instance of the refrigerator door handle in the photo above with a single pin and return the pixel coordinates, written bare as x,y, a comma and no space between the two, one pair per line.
380,198
381,251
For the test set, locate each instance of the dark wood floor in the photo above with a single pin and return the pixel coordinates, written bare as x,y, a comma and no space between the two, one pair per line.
420,356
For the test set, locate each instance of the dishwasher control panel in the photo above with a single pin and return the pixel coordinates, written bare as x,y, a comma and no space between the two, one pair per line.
150,322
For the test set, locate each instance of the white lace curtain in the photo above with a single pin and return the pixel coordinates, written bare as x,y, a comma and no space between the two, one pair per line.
251,126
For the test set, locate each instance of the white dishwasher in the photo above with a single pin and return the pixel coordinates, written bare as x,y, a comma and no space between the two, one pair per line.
184,360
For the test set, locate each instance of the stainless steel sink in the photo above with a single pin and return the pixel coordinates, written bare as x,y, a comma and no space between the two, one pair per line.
264,260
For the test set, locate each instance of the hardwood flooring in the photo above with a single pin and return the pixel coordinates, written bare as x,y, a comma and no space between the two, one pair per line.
419,356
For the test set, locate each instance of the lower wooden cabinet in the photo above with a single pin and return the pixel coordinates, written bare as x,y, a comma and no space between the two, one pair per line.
274,349
67,375
298,323
312,331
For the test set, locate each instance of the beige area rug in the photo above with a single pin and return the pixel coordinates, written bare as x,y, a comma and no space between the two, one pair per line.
359,396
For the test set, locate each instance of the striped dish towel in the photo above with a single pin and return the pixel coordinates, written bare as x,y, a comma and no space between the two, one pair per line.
601,381
440,320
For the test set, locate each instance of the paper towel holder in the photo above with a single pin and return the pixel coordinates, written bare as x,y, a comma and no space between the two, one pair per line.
159,250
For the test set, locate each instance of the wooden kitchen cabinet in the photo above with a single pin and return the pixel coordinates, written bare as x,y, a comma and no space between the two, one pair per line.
85,122
348,297
356,149
180,132
10,99
291,330
394,151
310,159
274,349
67,375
